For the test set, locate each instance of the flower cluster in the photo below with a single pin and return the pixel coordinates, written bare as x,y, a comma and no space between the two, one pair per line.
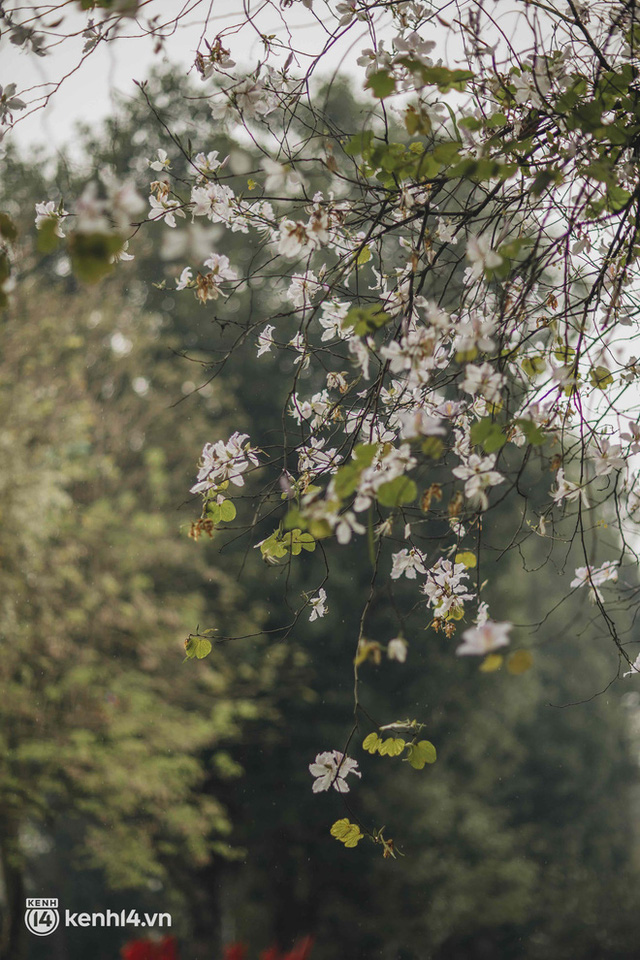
225,463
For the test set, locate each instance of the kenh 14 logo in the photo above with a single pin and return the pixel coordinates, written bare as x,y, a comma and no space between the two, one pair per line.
41,915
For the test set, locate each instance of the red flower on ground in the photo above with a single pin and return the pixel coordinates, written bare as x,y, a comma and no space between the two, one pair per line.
235,951
300,951
166,949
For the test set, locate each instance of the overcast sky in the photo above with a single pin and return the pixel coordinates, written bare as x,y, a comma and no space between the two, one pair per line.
88,94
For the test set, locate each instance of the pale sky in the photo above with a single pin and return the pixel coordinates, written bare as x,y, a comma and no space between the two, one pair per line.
87,94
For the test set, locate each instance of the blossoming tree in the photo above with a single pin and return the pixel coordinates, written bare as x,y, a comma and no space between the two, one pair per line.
452,287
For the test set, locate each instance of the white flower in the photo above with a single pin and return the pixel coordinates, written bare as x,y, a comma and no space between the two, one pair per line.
346,526
408,562
607,459
265,339
415,353
220,268
208,164
484,638
185,279
303,289
594,577
478,474
568,490
331,768
333,313
214,201
295,239
632,436
397,649
312,458
445,588
416,422
318,605
484,380
481,255
166,210
446,231
635,668
224,461
299,345
280,177
162,162
49,211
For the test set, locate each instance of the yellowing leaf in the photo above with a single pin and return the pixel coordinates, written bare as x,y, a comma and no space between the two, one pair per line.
519,662
491,663
368,649
600,377
392,747
469,559
346,832
371,743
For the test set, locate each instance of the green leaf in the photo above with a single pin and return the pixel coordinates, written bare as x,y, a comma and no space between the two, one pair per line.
227,511
298,541
397,492
92,254
360,144
488,434
221,512
447,151
532,432
470,123
273,548
432,447
5,266
279,544
8,229
197,647
441,77
48,239
364,454
346,479
421,753
381,84
544,178
365,320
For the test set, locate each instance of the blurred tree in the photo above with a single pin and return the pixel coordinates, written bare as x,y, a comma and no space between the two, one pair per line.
100,723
